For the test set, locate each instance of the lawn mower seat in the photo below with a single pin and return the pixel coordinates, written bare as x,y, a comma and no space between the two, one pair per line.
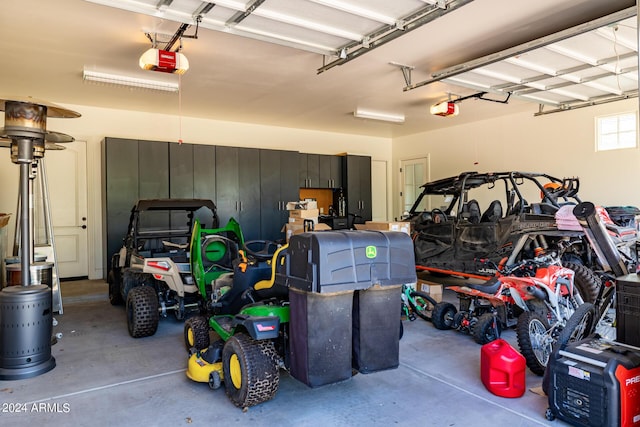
471,211
268,288
493,212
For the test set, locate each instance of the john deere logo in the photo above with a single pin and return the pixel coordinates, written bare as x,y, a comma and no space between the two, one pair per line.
371,252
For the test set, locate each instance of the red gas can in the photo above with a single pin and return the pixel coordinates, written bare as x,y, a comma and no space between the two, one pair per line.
502,369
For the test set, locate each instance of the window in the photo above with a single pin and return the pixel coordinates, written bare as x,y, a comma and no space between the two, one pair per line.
616,132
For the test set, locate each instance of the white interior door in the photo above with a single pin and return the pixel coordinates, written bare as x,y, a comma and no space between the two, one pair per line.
67,178
379,193
414,173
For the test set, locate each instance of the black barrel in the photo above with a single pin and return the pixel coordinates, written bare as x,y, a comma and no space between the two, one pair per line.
25,332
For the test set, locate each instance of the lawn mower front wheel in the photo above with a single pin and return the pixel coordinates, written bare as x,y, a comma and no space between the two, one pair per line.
250,374
196,333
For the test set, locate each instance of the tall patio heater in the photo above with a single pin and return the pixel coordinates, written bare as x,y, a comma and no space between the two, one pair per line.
26,310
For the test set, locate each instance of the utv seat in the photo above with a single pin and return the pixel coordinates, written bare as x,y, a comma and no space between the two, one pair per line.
521,206
471,211
493,212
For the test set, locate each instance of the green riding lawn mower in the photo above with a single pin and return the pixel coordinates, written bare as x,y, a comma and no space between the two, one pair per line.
321,307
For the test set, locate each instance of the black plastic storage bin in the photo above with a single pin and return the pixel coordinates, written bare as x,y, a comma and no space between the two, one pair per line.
376,328
334,261
327,273
320,336
628,309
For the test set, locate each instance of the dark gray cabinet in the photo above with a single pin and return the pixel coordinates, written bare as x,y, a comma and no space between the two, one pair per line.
357,173
330,173
238,188
120,191
278,185
250,185
204,172
133,170
192,175
181,177
308,170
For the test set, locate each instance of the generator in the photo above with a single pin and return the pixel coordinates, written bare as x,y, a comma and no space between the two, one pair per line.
595,382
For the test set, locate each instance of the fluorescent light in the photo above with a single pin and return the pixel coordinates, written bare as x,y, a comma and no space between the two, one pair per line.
378,115
99,77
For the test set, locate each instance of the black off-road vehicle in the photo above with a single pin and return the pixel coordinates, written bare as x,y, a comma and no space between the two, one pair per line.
151,272
468,224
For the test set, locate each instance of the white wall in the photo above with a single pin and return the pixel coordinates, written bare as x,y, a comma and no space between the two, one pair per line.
97,123
560,144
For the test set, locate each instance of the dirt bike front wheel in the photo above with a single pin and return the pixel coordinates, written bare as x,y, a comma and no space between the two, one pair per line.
534,340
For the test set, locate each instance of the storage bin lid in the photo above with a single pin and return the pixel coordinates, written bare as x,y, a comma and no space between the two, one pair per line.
333,261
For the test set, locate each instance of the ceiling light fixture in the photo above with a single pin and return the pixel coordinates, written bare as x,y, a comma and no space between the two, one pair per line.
99,77
377,115
445,109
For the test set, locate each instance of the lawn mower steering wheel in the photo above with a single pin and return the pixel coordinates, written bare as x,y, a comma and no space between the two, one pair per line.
261,250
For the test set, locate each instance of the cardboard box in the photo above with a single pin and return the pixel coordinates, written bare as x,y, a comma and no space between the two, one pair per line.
304,213
433,289
404,227
292,228
303,204
300,221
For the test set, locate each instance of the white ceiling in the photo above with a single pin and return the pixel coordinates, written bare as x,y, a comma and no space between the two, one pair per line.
265,68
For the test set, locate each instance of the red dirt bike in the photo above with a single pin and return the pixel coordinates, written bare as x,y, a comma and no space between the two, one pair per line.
536,295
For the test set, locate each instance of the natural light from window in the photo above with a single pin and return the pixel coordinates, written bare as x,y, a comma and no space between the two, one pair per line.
616,132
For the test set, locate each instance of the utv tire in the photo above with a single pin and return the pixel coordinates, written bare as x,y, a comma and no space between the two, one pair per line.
531,332
196,333
581,324
250,374
443,315
587,283
142,312
423,304
485,330
115,298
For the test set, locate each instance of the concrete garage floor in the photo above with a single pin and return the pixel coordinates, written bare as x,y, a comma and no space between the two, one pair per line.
104,377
